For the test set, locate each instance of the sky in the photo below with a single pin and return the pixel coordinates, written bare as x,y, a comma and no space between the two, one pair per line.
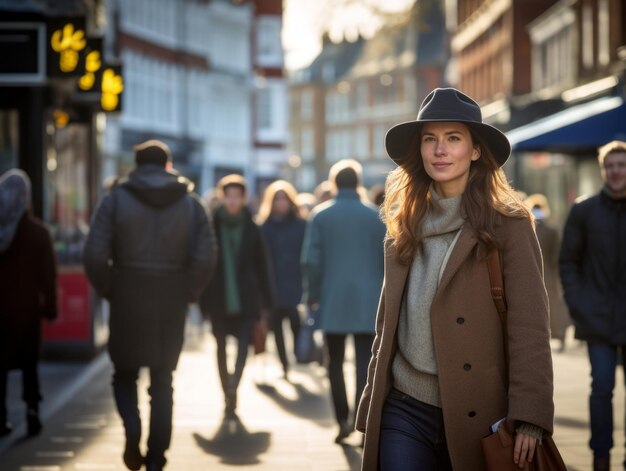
305,21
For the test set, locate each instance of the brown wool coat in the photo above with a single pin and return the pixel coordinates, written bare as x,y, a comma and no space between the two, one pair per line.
467,331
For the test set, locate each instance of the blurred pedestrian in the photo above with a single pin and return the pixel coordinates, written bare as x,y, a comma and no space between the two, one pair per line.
438,375
241,292
343,269
323,192
150,252
28,293
377,195
593,273
550,242
306,202
283,229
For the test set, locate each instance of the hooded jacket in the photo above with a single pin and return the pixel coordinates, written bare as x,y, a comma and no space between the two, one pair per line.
150,251
28,289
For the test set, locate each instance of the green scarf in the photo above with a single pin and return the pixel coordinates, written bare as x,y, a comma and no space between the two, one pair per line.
231,232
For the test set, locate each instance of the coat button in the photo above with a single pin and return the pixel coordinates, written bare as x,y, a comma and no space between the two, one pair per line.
467,367
460,320
471,414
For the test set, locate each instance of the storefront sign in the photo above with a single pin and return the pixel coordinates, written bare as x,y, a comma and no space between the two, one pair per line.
66,41
91,66
22,53
112,88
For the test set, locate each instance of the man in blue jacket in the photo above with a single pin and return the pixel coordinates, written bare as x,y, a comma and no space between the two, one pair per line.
593,273
343,272
150,252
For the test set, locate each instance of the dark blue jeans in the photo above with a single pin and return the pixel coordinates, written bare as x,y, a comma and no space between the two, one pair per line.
603,358
161,408
412,436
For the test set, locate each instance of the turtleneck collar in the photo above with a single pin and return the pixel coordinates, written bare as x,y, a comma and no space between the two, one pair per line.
444,215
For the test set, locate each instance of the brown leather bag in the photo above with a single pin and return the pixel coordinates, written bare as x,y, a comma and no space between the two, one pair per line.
259,335
498,447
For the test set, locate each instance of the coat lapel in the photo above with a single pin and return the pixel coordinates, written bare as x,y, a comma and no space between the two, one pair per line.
463,248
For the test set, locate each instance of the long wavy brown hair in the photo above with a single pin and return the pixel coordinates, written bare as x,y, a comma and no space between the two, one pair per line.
487,196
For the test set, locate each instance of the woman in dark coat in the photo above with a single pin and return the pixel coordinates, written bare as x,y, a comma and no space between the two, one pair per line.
27,293
241,287
283,228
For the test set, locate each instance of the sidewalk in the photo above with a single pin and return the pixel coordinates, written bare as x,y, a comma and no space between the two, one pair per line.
281,426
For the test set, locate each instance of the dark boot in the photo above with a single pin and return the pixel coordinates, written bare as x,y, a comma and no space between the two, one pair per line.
602,464
32,422
132,455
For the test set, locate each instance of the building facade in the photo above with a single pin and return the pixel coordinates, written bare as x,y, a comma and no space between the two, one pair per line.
343,104
548,74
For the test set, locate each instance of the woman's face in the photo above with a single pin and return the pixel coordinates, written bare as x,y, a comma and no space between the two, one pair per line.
447,153
281,204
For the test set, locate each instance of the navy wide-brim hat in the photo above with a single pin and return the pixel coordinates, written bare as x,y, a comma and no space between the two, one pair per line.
446,104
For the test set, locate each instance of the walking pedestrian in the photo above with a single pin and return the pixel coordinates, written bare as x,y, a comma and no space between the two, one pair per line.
550,242
241,292
149,252
283,229
27,293
343,272
593,273
438,375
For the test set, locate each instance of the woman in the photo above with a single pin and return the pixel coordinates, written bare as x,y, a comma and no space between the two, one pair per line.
283,229
27,293
438,377
241,287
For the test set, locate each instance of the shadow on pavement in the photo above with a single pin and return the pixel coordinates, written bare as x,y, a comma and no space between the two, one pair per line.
234,444
307,405
571,423
353,457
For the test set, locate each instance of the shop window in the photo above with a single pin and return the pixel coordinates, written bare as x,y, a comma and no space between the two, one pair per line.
67,190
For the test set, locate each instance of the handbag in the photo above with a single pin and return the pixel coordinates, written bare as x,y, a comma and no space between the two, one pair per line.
498,447
308,349
259,336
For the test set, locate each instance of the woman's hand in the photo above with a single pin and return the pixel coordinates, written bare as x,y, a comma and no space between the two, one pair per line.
524,449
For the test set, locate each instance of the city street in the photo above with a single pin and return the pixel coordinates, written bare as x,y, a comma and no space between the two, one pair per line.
282,425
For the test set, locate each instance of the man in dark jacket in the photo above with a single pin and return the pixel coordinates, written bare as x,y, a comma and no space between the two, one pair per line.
593,273
150,252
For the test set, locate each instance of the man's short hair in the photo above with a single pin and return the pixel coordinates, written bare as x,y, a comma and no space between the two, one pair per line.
346,174
610,148
231,181
153,152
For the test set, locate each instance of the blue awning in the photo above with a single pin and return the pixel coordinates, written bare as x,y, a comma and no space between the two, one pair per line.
577,129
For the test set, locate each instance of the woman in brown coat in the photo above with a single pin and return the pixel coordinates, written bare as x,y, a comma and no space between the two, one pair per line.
438,378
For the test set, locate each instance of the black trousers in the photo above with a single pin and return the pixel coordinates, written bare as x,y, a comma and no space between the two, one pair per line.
161,408
240,327
276,324
335,343
30,386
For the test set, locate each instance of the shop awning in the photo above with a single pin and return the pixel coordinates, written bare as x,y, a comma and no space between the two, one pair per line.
576,129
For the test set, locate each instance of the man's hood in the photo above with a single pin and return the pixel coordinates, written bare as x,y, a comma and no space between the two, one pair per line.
155,186
14,201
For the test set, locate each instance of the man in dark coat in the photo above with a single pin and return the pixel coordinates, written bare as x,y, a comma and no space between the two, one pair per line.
27,293
242,287
150,252
593,273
